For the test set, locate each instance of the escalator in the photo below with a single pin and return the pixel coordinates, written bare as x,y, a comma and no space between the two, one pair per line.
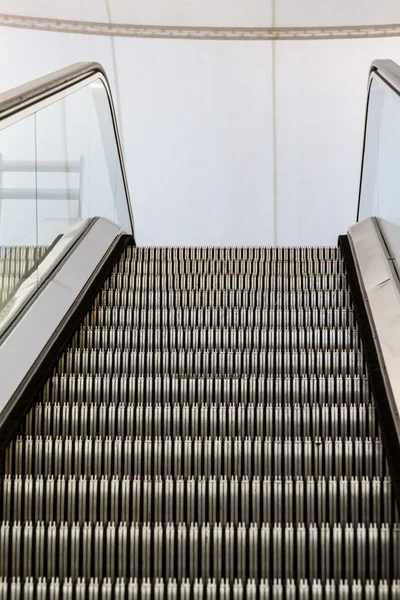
204,423
15,264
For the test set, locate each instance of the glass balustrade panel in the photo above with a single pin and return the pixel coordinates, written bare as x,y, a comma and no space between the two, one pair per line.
59,167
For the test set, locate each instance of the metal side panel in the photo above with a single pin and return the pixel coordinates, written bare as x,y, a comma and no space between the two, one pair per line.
376,260
29,286
30,337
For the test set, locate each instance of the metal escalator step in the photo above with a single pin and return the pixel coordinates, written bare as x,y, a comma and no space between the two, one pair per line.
202,420
219,338
213,362
199,500
229,551
233,267
210,432
303,253
223,299
340,390
214,317
284,283
185,457
209,589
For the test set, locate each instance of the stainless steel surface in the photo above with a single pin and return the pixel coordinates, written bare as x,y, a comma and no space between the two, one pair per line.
387,70
377,266
45,315
203,420
158,588
192,551
209,433
244,499
20,102
43,270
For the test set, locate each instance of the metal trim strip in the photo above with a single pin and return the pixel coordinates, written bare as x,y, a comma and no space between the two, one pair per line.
144,30
380,287
31,335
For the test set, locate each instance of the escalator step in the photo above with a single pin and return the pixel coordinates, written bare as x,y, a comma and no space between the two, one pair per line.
185,457
340,390
225,338
199,500
283,283
210,589
209,432
227,317
213,362
202,420
190,551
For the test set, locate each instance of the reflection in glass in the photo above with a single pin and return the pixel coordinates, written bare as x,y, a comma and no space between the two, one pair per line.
19,249
380,183
58,167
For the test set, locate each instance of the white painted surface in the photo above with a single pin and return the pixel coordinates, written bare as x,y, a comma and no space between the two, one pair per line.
230,13
197,130
85,10
217,13
198,144
319,13
322,89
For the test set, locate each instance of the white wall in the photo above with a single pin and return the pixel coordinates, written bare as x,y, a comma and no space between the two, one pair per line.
220,13
197,129
321,92
199,143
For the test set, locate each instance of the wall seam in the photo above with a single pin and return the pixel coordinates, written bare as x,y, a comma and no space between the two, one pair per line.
117,96
274,131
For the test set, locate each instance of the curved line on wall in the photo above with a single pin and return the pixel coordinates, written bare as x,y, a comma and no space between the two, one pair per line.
201,33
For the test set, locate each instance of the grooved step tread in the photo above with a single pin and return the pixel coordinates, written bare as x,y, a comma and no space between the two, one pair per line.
210,432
